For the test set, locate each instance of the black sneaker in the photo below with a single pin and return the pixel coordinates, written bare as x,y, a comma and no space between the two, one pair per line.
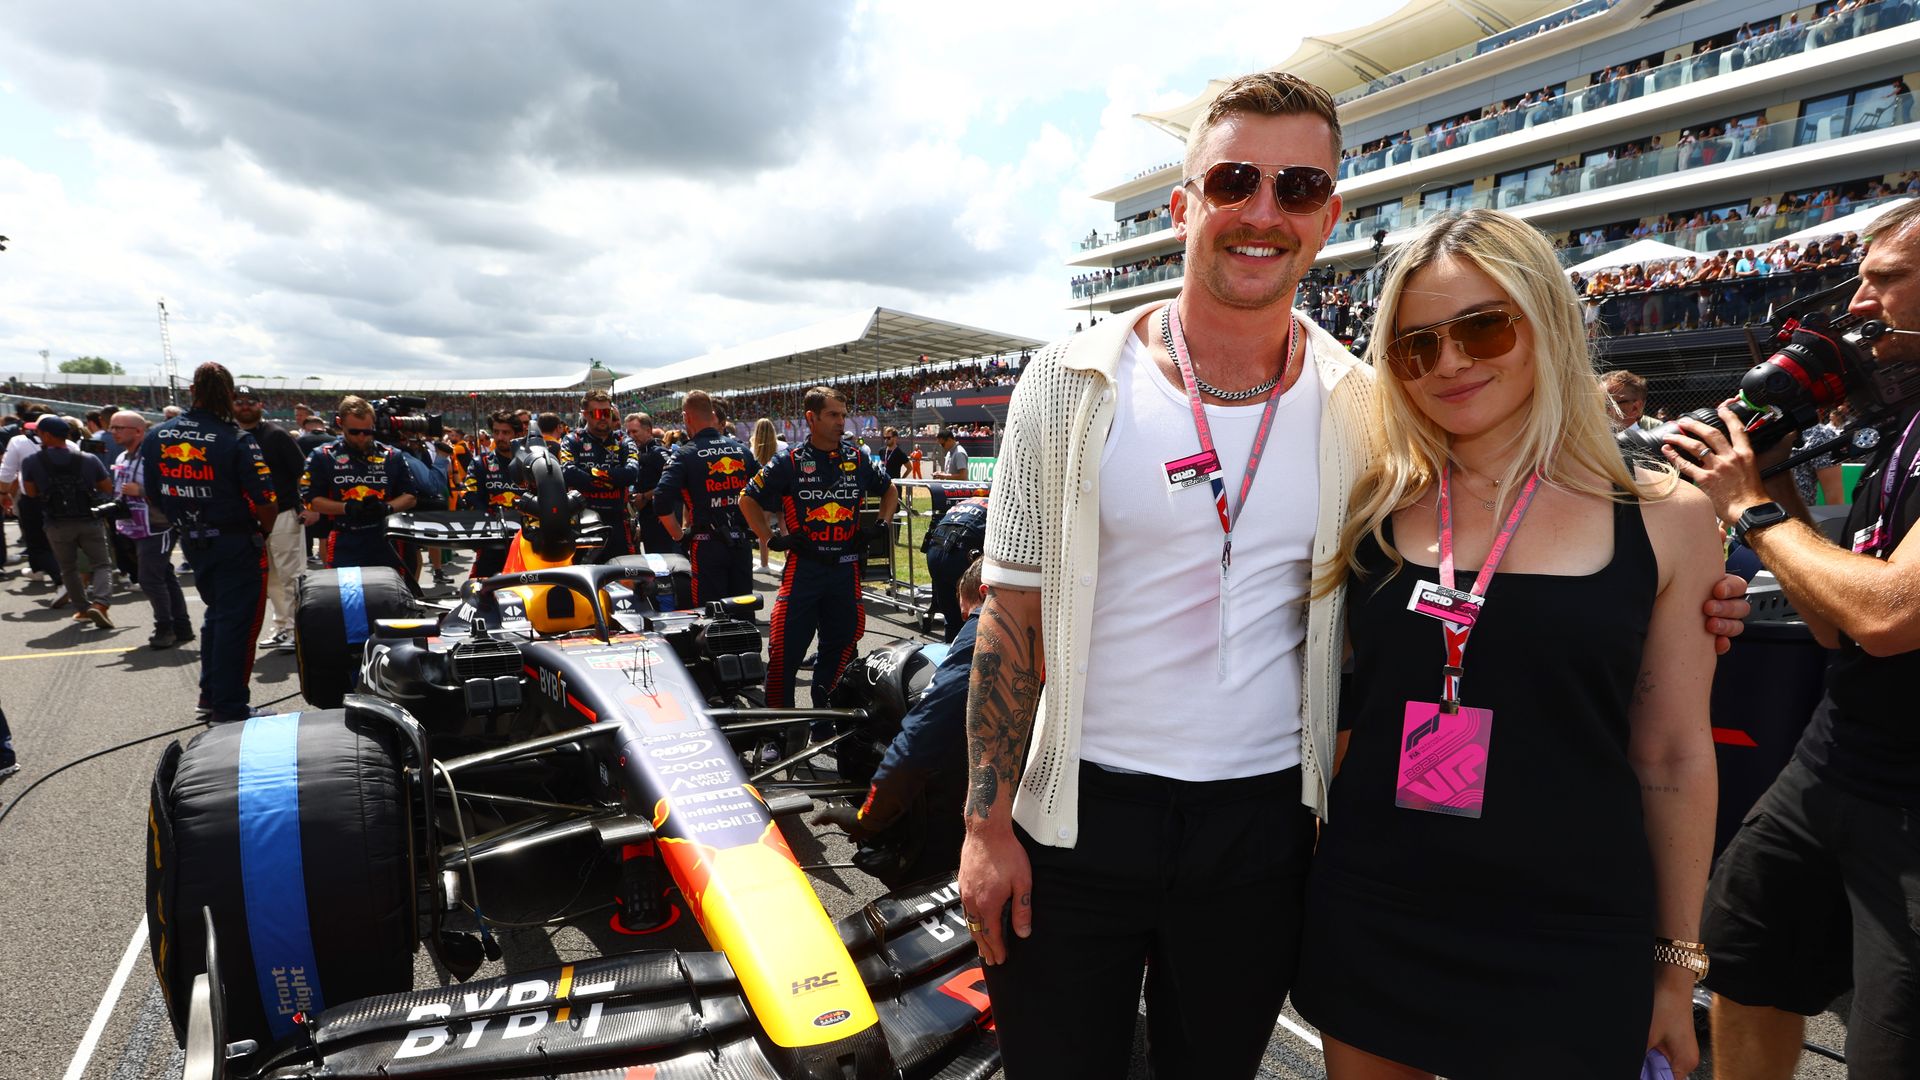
162,638
183,632
8,770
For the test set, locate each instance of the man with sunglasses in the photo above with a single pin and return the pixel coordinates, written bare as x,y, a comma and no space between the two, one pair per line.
355,481
1165,783
490,486
602,465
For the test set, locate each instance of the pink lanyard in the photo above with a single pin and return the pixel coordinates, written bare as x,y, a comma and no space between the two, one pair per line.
1456,635
1177,342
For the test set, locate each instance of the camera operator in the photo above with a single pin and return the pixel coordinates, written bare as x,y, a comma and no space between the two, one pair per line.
356,481
602,465
152,538
1820,888
286,557
210,480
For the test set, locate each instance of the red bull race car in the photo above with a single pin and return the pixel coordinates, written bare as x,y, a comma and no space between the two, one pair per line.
552,746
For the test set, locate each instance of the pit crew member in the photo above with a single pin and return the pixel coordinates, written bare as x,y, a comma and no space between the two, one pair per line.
705,476
489,487
906,828
817,489
599,463
653,462
212,482
356,481
950,547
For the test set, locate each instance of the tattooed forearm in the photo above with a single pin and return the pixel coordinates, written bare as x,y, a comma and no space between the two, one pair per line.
1642,688
1660,789
1002,695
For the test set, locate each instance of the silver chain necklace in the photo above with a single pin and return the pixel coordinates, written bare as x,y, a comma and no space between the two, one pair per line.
1251,392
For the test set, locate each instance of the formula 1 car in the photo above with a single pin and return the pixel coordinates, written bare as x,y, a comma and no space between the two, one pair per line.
545,736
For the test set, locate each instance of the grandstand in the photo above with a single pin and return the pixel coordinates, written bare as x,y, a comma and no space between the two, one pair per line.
878,356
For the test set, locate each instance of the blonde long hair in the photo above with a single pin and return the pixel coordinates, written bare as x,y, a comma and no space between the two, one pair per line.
1565,434
765,441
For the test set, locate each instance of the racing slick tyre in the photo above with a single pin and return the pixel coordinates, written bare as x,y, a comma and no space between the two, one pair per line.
292,831
334,615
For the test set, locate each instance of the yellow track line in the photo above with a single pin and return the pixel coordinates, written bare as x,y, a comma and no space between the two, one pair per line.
68,652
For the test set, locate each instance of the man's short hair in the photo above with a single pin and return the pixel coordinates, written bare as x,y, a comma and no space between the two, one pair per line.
299,405
969,589
596,395
507,417
128,416
697,401
640,416
891,433
549,423
355,406
816,398
1264,93
1622,381
1895,221
945,434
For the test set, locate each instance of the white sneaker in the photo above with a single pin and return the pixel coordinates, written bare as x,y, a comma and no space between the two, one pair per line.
279,639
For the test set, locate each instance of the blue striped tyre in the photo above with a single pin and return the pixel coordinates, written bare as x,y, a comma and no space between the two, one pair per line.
292,831
333,617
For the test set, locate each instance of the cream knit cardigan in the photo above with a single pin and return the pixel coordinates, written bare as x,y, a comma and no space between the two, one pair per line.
1043,532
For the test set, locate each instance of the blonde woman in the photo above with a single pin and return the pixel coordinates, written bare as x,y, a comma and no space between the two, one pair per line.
765,444
1518,832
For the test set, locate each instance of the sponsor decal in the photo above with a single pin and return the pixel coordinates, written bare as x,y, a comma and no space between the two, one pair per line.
811,983
832,513
525,1021
946,909
727,466
680,749
831,1017
181,452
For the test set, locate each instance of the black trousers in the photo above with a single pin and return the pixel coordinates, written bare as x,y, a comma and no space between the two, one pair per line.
33,536
1198,885
721,568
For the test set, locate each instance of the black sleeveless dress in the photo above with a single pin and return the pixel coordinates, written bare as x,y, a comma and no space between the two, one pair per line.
1519,943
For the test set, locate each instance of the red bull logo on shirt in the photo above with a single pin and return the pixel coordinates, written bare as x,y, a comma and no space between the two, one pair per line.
831,513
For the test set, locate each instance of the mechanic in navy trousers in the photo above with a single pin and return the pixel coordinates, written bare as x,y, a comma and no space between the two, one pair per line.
210,478
817,489
950,547
356,481
705,476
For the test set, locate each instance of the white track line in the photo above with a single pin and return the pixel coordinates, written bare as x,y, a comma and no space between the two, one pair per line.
84,1052
1306,1036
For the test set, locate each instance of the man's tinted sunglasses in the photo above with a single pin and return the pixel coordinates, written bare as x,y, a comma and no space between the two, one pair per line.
1297,189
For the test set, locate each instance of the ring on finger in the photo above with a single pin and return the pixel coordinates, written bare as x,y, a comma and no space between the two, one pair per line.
975,925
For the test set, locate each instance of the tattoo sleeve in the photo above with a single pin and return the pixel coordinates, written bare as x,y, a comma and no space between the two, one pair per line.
1002,695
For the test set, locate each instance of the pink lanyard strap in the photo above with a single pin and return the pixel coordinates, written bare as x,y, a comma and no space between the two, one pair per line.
1456,636
1177,343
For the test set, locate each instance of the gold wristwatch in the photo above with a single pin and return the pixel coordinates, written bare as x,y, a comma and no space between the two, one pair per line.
1691,955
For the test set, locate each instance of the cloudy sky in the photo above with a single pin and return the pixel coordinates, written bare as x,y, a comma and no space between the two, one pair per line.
500,188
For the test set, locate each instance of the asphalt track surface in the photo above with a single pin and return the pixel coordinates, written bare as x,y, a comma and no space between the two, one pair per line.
78,999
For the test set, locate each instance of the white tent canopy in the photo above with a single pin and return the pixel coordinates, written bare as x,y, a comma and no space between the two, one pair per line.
867,340
1857,222
1637,252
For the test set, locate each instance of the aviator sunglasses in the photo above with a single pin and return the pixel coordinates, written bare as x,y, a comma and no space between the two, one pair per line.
1482,335
1298,189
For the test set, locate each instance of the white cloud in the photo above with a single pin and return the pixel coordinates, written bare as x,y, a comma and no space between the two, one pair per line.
439,188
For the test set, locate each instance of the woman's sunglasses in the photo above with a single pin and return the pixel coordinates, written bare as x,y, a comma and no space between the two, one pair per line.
1298,189
1482,335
